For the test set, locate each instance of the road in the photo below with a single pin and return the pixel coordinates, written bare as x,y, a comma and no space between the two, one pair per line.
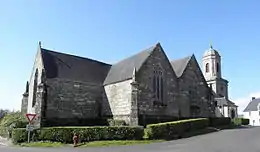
233,140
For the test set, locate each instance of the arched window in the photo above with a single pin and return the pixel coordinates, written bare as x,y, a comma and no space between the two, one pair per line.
217,67
43,76
207,67
158,84
35,84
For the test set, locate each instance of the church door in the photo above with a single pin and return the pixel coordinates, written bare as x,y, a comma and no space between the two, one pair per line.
233,113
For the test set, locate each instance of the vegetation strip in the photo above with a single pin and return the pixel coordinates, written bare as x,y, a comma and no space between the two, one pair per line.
91,144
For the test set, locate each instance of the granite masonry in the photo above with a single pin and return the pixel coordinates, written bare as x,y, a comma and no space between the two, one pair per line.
146,87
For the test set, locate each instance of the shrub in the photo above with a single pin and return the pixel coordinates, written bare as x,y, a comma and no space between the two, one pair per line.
19,135
16,119
170,130
219,121
240,121
4,132
10,121
64,134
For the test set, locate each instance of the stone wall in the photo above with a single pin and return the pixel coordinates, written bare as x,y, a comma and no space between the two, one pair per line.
38,66
118,98
72,103
146,99
195,92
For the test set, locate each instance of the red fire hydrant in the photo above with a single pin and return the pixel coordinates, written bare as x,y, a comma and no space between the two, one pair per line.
75,140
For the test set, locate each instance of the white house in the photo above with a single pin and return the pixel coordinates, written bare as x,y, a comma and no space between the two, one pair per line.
252,112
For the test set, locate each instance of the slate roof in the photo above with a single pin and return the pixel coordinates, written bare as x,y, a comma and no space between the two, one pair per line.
180,65
252,106
221,101
123,70
60,65
224,101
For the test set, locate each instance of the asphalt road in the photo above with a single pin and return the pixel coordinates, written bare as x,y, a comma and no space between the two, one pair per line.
234,140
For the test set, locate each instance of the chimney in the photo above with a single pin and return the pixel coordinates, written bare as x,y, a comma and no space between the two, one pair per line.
253,98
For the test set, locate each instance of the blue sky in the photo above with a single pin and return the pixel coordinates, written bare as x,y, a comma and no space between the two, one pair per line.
112,30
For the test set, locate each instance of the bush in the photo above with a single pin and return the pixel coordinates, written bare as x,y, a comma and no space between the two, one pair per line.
10,121
19,135
4,132
170,130
219,121
240,121
65,134
16,119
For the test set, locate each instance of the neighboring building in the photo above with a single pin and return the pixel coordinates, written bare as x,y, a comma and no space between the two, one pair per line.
240,116
212,71
71,90
252,112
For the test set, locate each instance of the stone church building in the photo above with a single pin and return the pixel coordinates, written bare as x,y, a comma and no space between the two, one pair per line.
147,87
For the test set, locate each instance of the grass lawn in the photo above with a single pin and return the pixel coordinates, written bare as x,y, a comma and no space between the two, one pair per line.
91,144
42,144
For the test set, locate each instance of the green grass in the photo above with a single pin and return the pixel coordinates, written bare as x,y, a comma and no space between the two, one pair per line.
90,144
118,143
42,144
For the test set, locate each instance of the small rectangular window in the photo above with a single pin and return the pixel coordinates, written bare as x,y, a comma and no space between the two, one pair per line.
249,113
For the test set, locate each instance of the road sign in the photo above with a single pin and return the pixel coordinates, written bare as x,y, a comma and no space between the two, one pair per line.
30,117
29,128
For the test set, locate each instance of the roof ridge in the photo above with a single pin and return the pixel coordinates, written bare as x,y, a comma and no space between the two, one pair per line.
139,52
180,65
189,56
77,56
123,69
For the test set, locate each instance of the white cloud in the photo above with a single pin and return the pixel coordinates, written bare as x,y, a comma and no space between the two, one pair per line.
243,102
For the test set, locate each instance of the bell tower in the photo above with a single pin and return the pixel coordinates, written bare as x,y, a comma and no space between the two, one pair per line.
211,62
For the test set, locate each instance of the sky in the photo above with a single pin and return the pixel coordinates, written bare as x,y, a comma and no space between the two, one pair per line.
112,30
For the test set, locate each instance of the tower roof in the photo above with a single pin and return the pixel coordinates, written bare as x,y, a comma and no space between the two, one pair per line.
211,51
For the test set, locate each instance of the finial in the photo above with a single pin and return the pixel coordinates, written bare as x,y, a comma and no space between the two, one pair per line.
211,45
40,44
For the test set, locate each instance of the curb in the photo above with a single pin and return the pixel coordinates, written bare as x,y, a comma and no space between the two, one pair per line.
2,144
3,141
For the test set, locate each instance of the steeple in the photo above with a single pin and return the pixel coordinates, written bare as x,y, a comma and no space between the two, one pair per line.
212,72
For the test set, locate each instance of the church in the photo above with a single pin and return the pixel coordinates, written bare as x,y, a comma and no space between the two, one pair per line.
146,87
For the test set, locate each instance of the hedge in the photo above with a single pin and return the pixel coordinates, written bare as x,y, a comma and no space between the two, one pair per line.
240,121
65,134
171,130
219,121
